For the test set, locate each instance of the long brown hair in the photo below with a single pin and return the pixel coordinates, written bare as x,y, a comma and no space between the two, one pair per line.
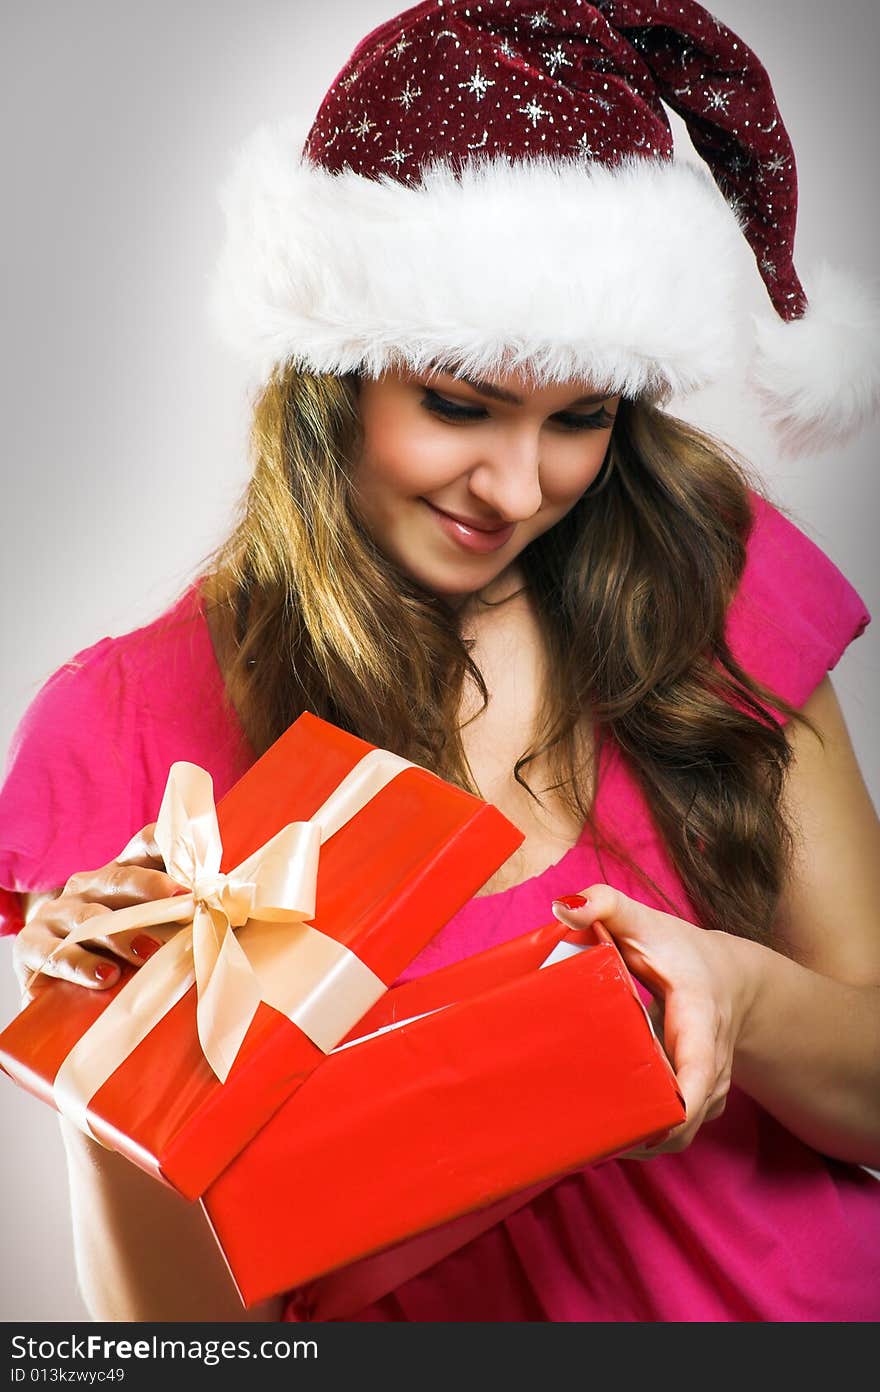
632,587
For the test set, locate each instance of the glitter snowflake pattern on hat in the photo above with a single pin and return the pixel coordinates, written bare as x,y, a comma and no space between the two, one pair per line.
481,111
514,80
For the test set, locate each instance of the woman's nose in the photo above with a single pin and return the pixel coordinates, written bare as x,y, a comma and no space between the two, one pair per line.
508,477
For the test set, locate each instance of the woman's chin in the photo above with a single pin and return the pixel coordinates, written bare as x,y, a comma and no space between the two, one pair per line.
458,595
452,594
462,577
454,584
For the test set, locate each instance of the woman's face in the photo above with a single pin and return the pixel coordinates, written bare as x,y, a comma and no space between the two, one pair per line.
503,458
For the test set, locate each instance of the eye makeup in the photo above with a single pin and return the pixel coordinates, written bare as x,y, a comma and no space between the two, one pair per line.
569,420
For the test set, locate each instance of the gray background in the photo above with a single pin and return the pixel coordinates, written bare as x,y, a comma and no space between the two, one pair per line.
124,423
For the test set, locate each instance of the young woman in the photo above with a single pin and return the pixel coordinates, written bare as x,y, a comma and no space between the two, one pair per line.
473,535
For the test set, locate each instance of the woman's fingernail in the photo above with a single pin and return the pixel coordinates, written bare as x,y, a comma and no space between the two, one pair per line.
144,947
571,901
105,970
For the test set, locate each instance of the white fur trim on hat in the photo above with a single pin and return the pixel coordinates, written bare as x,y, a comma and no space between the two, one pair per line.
624,277
818,377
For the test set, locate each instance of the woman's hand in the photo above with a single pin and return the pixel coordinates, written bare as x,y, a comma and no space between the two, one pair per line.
135,877
703,988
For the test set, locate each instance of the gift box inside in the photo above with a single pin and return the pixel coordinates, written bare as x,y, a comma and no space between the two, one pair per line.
387,881
522,1064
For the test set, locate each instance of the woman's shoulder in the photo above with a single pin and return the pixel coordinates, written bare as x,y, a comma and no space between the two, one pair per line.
117,672
795,611
88,761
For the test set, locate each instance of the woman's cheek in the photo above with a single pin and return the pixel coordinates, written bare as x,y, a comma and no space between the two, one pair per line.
567,474
423,460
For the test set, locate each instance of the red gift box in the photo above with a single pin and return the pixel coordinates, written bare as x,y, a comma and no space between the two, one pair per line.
387,880
530,1073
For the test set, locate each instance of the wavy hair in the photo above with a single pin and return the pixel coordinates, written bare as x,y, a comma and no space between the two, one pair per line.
632,587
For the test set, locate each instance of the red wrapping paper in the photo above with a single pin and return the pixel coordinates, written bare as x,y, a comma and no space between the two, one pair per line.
387,881
533,1073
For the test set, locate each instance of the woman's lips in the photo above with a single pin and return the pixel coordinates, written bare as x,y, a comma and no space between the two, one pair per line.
471,538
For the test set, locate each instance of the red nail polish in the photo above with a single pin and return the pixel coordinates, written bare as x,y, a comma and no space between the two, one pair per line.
572,901
104,970
144,947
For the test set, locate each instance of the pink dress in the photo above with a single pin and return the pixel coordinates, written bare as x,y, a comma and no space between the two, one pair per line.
747,1224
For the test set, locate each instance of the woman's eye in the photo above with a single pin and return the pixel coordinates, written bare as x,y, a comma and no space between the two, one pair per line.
597,420
569,420
441,407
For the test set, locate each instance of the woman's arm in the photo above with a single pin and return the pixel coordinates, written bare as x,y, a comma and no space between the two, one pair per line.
829,911
142,1252
810,1051
799,1032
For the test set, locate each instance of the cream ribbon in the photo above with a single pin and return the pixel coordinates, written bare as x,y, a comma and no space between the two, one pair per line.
276,955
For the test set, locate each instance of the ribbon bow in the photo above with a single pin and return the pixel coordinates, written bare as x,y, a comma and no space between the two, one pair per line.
244,937
277,883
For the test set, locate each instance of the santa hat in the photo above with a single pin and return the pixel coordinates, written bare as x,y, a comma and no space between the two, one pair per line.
491,187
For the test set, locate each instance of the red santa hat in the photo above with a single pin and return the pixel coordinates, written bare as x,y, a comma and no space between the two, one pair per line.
491,187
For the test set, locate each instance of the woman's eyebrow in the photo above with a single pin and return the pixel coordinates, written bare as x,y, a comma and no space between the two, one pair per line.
500,394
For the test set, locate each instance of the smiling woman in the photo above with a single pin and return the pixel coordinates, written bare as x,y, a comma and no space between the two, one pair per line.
475,534
612,591
436,468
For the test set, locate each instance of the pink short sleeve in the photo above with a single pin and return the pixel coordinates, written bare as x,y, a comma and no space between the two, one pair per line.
89,760
66,790
794,613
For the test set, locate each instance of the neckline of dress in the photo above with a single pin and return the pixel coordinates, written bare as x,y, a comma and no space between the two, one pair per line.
601,775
